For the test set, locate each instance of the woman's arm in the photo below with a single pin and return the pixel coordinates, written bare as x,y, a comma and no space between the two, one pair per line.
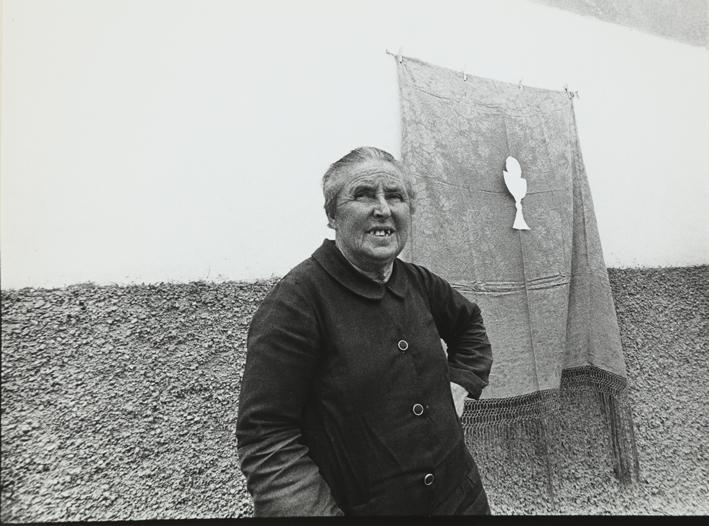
282,357
460,324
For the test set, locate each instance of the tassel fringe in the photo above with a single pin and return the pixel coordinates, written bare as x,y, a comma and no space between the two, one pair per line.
557,435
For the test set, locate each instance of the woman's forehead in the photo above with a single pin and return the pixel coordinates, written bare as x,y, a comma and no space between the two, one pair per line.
373,172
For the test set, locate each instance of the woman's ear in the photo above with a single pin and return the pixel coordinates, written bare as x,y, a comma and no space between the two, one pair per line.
331,223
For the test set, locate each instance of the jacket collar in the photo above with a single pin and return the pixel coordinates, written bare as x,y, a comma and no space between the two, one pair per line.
331,259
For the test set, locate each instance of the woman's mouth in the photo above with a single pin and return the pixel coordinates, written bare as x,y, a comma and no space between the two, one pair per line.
381,232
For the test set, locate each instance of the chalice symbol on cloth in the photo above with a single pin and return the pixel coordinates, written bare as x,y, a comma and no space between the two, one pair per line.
518,188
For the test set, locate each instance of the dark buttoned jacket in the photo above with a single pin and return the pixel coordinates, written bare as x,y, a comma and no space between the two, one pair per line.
345,402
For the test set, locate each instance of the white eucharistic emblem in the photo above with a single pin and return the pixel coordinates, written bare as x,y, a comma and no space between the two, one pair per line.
518,188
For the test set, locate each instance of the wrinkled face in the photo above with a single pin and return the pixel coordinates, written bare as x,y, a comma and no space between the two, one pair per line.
373,214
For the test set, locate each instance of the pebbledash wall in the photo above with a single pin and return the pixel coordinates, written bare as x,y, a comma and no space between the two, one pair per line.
179,140
120,403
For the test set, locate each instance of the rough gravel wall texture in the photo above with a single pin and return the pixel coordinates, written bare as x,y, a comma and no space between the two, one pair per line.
120,402
684,20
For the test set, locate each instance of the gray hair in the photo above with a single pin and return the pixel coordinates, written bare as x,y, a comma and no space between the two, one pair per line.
331,185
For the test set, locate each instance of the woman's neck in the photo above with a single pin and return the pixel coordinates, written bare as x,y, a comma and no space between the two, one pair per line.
380,275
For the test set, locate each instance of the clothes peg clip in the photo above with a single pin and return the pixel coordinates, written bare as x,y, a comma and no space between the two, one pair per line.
519,84
400,57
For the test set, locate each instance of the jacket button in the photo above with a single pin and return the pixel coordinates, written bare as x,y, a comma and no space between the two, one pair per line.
403,345
428,479
417,409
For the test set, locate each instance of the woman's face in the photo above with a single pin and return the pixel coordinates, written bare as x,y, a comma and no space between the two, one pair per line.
373,214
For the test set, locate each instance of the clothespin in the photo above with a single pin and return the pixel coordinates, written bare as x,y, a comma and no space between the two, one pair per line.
400,56
569,93
519,84
465,75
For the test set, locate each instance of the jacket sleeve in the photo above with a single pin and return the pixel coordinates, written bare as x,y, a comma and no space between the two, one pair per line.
460,325
282,357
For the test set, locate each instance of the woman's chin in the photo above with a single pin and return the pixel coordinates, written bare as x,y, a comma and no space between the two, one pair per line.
383,253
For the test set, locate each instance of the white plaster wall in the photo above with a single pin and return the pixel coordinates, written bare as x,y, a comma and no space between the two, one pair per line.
175,140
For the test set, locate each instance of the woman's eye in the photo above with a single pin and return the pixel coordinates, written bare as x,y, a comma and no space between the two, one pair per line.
363,194
395,196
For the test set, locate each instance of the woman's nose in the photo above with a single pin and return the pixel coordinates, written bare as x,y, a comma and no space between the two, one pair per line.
382,207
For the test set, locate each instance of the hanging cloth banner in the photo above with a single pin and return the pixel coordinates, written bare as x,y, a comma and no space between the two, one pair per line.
483,152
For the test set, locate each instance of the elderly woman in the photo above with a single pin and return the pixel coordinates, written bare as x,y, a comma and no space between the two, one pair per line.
349,404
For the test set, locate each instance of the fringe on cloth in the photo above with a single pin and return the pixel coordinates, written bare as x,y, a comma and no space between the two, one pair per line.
557,435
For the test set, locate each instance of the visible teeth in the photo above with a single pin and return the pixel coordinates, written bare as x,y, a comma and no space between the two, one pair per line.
381,233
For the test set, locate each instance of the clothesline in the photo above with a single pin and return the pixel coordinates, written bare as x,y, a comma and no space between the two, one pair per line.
570,93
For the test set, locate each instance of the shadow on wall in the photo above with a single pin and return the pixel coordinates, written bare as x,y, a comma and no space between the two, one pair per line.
120,402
